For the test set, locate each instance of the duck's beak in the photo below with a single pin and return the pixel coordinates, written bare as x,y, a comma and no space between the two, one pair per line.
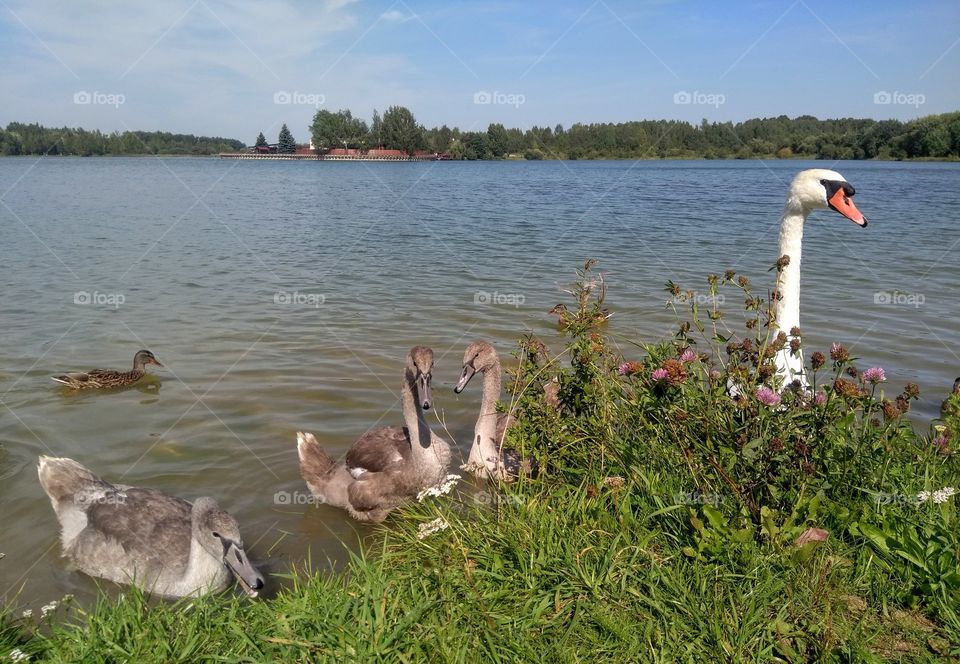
250,579
155,361
843,203
465,377
424,391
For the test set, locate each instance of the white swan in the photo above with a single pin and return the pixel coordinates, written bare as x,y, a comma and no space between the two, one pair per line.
386,466
813,189
145,537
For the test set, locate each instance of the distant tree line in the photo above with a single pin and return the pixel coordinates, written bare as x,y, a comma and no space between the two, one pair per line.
19,138
930,137
935,137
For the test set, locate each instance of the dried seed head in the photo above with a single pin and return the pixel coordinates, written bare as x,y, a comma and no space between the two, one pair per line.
817,360
890,412
845,388
838,353
782,262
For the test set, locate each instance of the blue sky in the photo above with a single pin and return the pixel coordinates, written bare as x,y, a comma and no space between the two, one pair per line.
235,67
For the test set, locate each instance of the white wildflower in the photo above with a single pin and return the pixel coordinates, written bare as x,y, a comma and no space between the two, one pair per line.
17,655
28,613
943,495
429,528
440,489
938,497
48,608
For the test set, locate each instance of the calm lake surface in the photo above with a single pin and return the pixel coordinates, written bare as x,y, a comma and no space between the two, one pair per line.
284,296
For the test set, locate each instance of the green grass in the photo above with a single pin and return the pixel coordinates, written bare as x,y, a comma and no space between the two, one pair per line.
559,576
662,530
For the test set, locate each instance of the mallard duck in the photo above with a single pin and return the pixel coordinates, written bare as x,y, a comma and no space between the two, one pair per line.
951,405
100,378
158,542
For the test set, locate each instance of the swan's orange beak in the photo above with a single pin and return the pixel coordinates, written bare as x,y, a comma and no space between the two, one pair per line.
844,205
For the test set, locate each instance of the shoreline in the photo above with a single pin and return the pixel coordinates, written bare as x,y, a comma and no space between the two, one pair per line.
950,160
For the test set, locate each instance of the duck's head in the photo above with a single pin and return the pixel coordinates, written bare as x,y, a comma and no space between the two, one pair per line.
956,386
143,358
219,534
420,373
479,356
820,188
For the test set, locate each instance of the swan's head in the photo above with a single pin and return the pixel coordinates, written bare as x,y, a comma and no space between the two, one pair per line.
479,356
820,188
420,373
219,535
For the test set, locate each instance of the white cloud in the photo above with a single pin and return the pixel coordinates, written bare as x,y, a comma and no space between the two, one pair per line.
395,16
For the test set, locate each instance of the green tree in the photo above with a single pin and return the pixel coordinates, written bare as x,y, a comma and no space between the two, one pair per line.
338,130
261,141
475,146
376,130
401,131
498,141
285,142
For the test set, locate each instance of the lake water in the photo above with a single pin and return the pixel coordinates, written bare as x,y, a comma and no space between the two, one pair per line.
284,296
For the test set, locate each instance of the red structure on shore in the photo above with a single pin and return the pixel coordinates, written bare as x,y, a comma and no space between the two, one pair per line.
336,154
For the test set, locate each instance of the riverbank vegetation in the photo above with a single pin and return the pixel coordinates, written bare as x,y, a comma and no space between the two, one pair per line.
931,137
671,522
33,139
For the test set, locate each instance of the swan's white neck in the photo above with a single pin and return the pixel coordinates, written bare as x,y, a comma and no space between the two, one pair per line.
787,309
485,452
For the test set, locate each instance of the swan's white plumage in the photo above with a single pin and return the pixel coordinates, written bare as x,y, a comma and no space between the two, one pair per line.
806,194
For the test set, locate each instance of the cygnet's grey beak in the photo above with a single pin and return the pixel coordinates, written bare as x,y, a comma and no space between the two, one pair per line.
250,579
424,391
465,377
